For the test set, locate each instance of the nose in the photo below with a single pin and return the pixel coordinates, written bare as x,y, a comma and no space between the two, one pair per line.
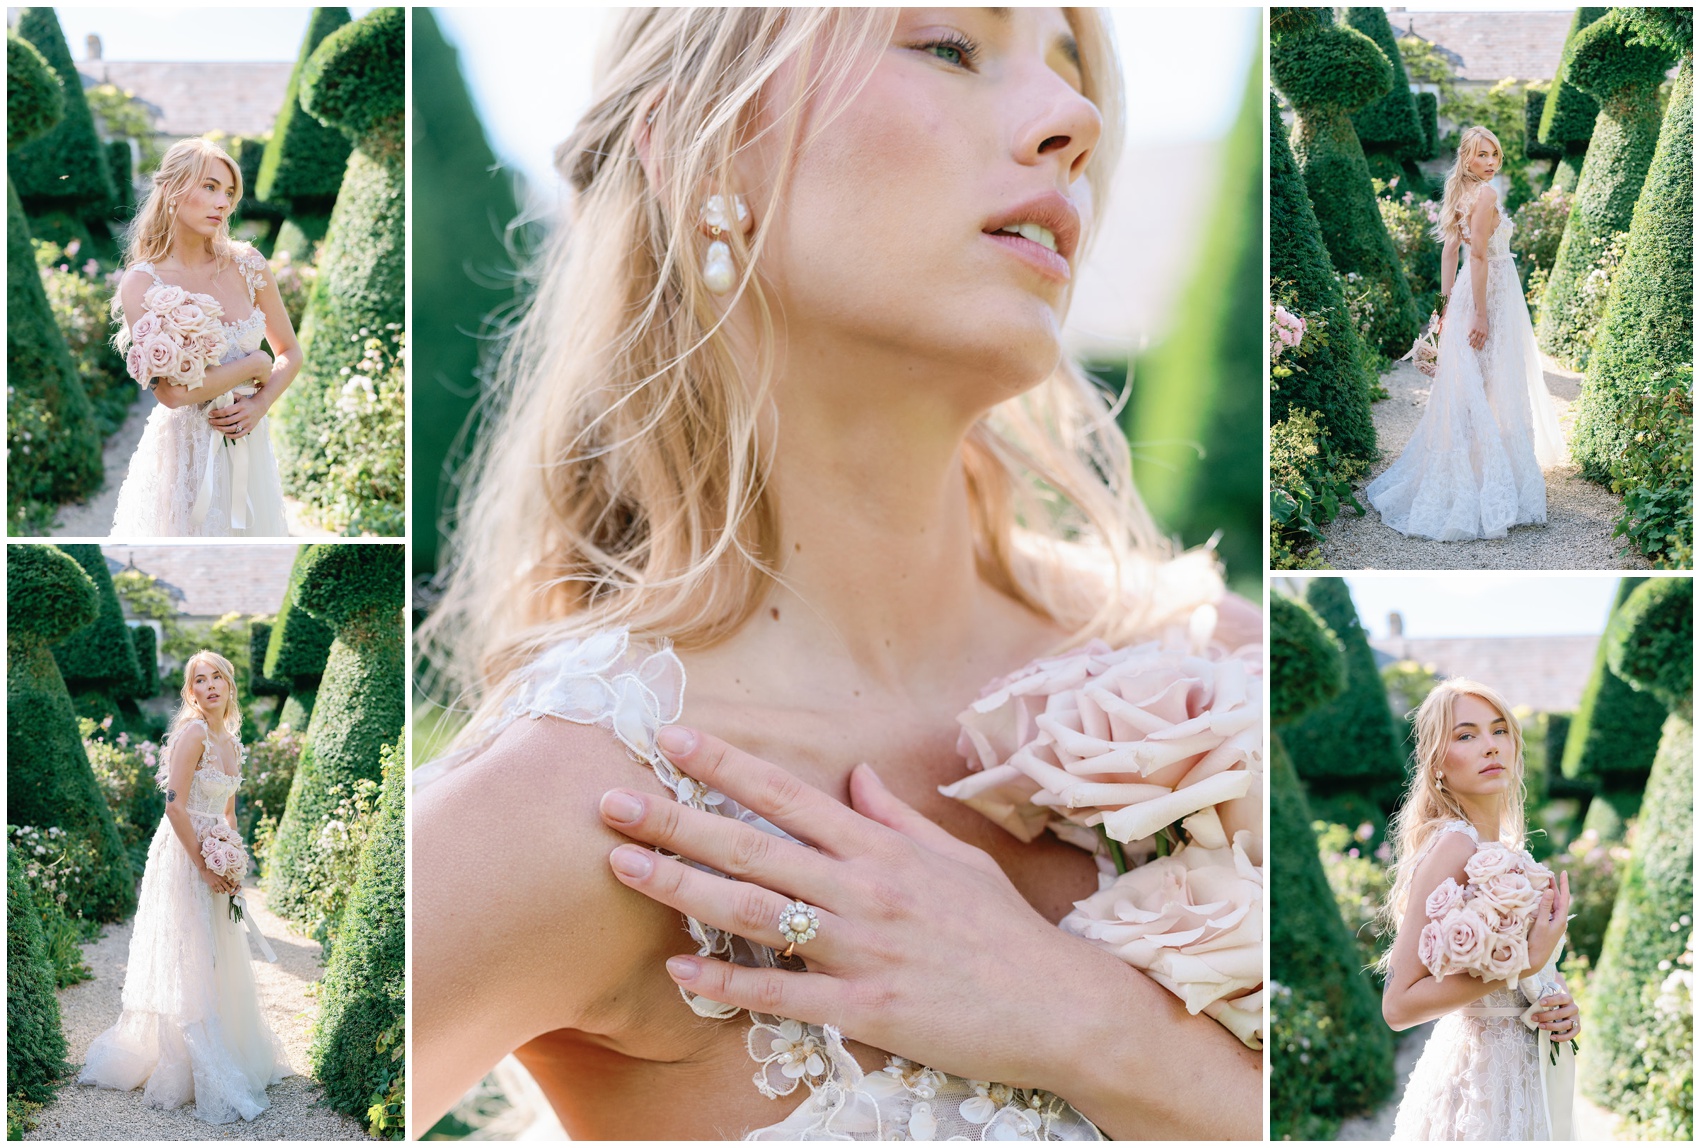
1060,126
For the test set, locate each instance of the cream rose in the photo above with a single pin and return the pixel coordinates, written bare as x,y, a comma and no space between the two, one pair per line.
159,355
1491,859
164,298
1507,957
1447,896
1509,894
1464,938
1430,949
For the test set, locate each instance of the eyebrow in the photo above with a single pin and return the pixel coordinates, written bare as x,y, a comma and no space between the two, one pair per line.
1065,41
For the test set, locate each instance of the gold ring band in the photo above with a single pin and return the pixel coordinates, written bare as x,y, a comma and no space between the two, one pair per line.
788,949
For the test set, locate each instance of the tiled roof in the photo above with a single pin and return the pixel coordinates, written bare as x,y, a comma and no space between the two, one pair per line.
1546,673
193,99
214,579
1492,45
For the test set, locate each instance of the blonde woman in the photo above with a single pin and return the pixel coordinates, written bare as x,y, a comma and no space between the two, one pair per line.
191,1029
1483,1074
1473,467
205,465
789,418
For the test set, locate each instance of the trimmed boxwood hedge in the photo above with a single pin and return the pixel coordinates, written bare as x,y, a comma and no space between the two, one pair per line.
1306,665
259,639
1534,103
462,270
304,159
1390,126
1334,384
1567,119
354,80
1649,319
48,779
146,644
1326,74
1650,641
1616,729
364,997
65,169
299,642
357,590
35,1044
34,100
1354,741
1606,60
101,656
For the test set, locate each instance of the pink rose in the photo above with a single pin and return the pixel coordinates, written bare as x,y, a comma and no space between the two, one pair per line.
135,364
187,316
160,355
1464,939
1509,894
164,297
144,327
1430,949
1491,859
1507,956
1447,896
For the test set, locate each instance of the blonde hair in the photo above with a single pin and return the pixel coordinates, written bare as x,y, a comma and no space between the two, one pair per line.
189,711
1427,806
1460,192
620,480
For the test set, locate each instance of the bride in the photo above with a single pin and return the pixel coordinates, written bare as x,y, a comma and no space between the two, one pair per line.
1473,467
788,418
192,307
191,1027
1487,1071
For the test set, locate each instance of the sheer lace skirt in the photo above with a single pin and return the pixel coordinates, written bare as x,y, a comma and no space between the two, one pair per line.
170,467
1479,1078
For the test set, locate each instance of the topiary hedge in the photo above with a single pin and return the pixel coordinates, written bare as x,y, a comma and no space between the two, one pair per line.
354,79
1650,641
1306,666
1391,125
35,1044
146,644
1649,318
299,642
463,204
34,100
48,779
1567,117
357,1043
65,169
1334,383
1534,103
1616,729
304,159
1355,740
259,639
101,656
358,591
1327,73
1608,61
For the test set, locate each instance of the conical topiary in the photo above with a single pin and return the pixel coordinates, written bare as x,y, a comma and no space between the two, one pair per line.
1615,732
1568,112
100,658
1390,128
35,1042
302,166
63,171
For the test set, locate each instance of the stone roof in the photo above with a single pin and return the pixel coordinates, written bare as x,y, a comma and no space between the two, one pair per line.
192,99
1492,46
212,580
1547,673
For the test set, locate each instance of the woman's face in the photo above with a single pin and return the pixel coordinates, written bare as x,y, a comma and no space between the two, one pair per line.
1483,162
1479,749
210,687
208,202
896,235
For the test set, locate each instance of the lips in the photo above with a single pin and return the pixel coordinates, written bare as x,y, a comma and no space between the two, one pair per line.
1044,230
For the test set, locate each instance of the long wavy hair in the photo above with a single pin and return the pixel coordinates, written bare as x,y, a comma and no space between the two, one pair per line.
1427,806
1460,191
620,479
189,710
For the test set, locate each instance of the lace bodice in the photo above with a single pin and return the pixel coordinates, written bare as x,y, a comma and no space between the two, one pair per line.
211,787
243,336
1499,243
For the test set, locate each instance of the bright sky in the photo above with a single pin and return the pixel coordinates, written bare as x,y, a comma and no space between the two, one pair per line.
226,34
530,71
1463,604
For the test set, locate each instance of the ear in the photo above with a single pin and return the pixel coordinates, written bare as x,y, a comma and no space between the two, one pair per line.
643,135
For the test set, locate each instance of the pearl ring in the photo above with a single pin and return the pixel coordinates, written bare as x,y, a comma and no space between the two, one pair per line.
798,925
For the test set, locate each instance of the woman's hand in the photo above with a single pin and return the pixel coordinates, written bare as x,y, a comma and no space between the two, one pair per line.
241,416
261,364
1552,916
1479,332
216,882
1560,1016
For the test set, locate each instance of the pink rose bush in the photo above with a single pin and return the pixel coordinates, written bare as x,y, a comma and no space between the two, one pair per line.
1482,927
177,337
1154,753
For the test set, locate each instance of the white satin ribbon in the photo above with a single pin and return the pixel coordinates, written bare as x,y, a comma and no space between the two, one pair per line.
239,466
254,930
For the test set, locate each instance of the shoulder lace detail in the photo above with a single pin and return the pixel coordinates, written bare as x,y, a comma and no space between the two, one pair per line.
253,266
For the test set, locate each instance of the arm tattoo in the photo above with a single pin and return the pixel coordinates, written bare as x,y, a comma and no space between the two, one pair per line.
170,796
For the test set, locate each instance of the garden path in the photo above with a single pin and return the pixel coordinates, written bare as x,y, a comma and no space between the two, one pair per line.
93,519
1580,514
289,1005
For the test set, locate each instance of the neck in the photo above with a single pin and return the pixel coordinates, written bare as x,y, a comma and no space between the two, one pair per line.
1482,812
191,250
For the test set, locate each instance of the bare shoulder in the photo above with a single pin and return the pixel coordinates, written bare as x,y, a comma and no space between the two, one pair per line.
1445,858
135,284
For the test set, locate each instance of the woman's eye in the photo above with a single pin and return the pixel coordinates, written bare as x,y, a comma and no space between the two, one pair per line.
956,52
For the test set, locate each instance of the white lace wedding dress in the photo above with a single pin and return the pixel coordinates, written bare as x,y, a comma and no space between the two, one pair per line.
188,480
1473,466
191,1028
1484,1074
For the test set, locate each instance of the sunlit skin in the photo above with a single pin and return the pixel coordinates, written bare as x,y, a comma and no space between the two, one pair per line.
200,211
901,322
1483,165
213,694
1477,771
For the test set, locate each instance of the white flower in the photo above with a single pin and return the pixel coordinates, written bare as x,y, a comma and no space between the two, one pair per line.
923,1125
987,1100
787,1052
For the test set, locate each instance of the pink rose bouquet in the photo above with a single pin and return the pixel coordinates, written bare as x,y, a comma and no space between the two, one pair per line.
1425,352
1482,927
1151,753
177,338
224,854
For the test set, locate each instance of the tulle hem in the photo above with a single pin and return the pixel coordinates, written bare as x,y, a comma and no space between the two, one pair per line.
175,1063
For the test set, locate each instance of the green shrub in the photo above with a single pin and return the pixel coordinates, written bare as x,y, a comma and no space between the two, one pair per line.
65,169
304,159
48,779
1624,76
34,100
366,477
101,655
1648,325
299,642
272,762
1357,874
1650,641
1428,111
79,296
259,639
1534,103
1333,382
1307,487
1616,729
1567,118
125,768
1410,222
1306,666
1595,865
1326,74
1655,470
363,1000
354,80
57,868
146,643
1537,228
358,591
35,1044
1391,125
1650,925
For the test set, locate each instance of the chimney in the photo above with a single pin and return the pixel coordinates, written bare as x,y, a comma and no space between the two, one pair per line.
1395,625
94,46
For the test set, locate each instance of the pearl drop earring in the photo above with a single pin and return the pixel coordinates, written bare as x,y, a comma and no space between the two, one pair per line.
717,270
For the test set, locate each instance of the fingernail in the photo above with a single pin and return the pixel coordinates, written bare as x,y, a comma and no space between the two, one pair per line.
681,968
631,861
618,805
677,740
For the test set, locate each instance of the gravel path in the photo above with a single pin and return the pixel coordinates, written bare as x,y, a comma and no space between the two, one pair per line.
93,519
88,1009
1580,514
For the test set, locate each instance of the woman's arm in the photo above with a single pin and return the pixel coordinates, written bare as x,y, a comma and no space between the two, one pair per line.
1482,223
245,413
1448,266
185,756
